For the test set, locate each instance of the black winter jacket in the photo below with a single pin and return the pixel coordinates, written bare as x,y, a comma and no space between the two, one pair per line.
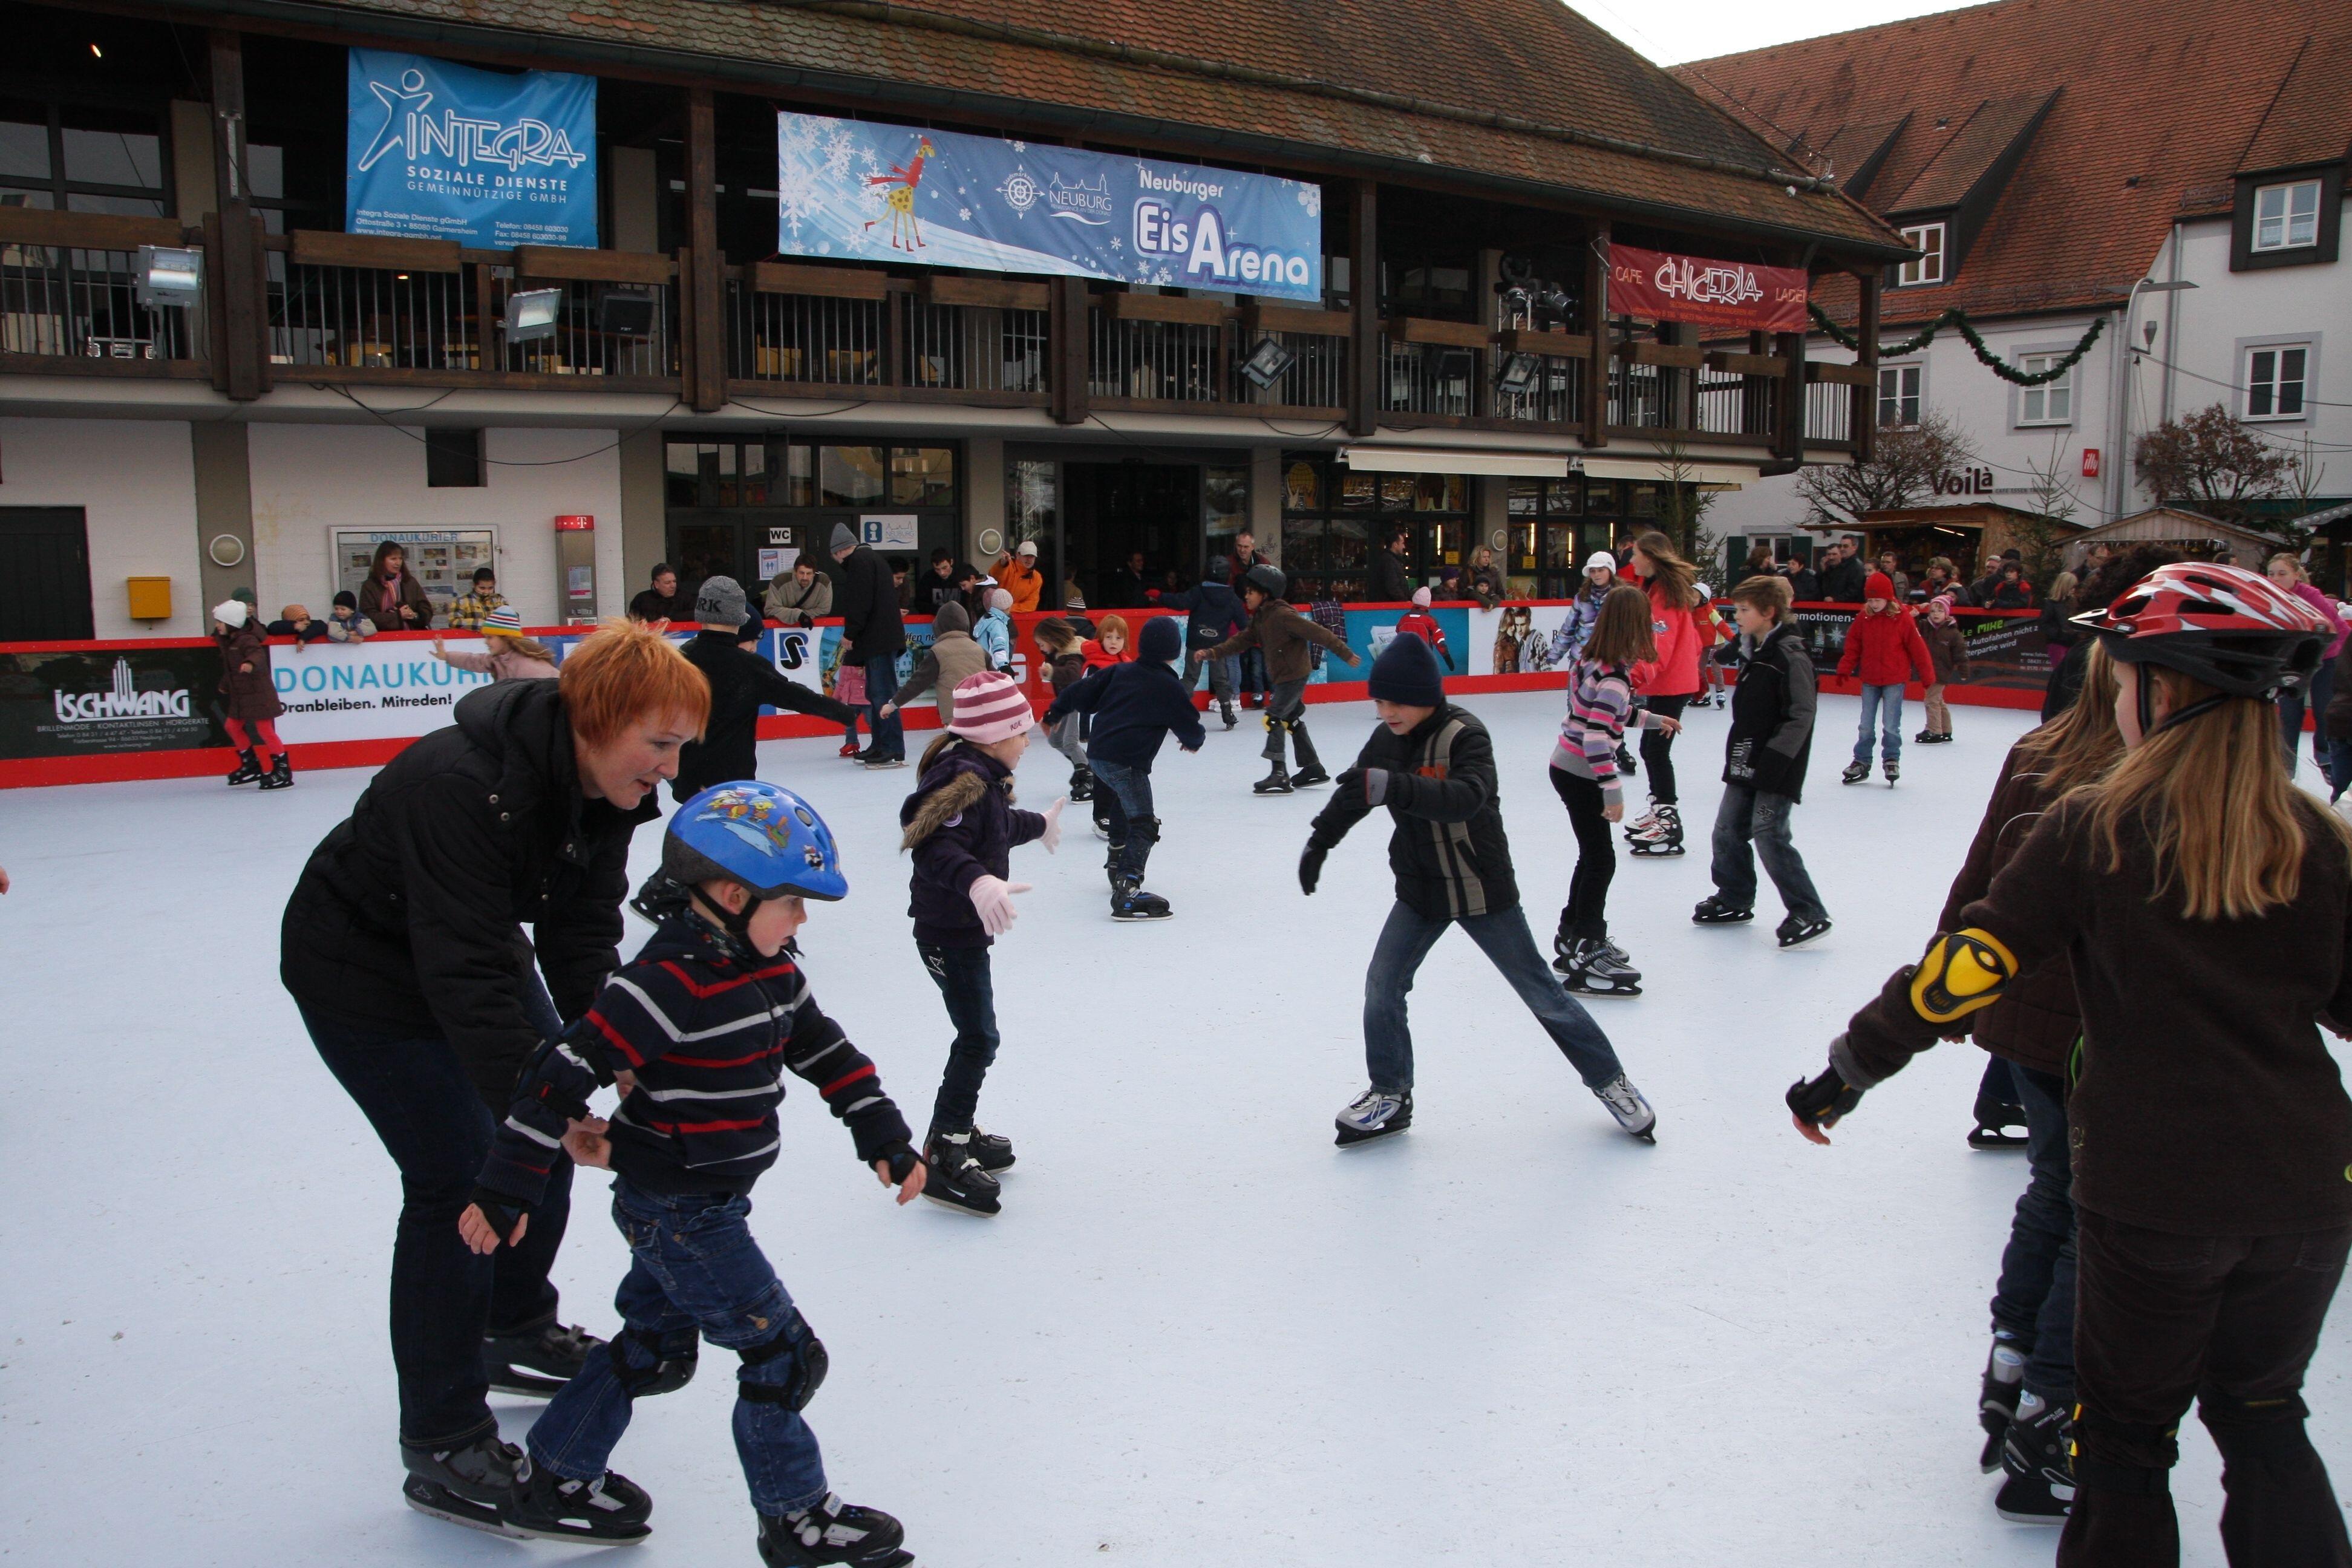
740,683
1451,858
1844,583
1213,613
961,824
868,602
1772,710
1391,581
1135,707
409,916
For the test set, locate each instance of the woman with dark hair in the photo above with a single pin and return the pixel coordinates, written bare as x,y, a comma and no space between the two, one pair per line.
402,946
391,596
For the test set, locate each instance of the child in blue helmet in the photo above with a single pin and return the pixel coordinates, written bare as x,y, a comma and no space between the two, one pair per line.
695,1032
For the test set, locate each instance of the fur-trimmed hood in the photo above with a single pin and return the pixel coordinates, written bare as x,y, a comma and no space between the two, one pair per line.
958,781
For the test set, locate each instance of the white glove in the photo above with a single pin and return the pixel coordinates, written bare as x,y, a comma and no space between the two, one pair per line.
993,897
1052,838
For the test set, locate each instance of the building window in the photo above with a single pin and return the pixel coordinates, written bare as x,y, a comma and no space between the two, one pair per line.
2274,378
2052,403
1898,396
2286,217
1928,266
453,459
80,158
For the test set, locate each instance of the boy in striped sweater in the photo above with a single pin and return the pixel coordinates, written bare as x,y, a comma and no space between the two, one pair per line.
694,1032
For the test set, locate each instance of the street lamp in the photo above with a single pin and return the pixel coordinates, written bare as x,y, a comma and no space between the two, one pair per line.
2120,486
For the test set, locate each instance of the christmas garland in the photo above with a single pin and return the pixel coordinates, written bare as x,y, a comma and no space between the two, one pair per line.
1990,361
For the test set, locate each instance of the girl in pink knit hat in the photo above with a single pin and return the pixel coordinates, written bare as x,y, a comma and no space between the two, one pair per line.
960,826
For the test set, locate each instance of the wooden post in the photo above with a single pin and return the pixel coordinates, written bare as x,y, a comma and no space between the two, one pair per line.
1788,440
1596,325
1864,430
1365,377
240,353
706,344
1067,325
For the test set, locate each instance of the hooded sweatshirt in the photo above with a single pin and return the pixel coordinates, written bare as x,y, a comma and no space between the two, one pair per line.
1136,705
954,655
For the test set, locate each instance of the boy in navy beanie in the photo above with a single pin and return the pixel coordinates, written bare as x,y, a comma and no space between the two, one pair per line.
1136,705
1432,766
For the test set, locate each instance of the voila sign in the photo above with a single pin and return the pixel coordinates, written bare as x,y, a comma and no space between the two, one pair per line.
1976,480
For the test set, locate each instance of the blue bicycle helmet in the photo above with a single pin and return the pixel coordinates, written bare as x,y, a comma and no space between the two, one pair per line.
761,834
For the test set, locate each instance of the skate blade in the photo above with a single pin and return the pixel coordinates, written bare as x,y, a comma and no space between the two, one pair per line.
1811,941
955,1208
1349,1138
459,1512
525,1385
1162,915
1575,990
2015,1517
558,1533
1659,852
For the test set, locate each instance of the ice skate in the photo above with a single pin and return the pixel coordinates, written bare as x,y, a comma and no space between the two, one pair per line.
849,751
1082,783
539,1359
1994,1119
1275,783
1625,762
2039,1488
1375,1113
1893,770
464,1486
1647,820
955,1178
611,1510
1129,901
1715,910
1308,776
993,1150
1625,1103
1589,969
281,774
2004,1380
1665,837
1225,711
881,764
248,768
1854,773
1795,932
832,1532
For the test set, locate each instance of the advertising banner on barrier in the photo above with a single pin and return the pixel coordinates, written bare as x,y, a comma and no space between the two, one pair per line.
436,151
90,702
852,190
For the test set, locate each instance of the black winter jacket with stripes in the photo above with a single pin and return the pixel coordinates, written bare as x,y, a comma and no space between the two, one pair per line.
1451,858
707,1037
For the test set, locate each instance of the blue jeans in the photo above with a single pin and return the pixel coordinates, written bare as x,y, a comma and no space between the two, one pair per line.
1253,669
2313,700
2339,765
963,975
432,1121
881,686
694,1268
1130,793
1503,937
1885,702
1747,816
2035,1298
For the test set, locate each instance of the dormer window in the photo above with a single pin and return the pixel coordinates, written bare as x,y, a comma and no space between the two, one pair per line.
2286,217
1928,266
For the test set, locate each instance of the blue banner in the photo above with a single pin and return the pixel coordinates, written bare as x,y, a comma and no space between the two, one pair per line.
854,191
436,151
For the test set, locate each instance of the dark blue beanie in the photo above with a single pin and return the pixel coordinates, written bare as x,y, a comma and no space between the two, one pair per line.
1406,673
1160,642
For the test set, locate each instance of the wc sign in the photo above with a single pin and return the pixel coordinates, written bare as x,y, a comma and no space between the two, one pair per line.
887,530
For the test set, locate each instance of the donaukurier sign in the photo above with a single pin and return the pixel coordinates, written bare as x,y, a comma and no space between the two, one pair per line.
1660,286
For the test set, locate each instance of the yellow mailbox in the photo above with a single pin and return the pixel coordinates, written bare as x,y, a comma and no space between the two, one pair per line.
150,598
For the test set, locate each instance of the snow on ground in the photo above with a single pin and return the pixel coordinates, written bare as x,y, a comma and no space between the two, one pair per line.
1199,1334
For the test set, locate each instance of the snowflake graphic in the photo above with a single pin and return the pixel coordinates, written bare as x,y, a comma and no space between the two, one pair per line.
1021,146
963,215
1311,198
1116,243
800,136
839,150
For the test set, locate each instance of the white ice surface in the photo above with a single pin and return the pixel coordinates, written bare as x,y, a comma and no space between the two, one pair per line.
1199,1334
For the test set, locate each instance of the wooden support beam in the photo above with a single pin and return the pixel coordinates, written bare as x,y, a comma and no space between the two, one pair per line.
703,282
1068,329
1364,369
1596,328
240,356
1864,431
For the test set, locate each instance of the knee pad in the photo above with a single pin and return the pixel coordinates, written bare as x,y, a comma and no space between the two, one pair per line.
799,1385
2128,1441
674,1356
1276,724
2257,1428
1143,830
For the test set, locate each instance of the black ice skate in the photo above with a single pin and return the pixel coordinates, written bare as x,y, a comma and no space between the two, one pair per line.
1375,1113
248,768
832,1532
280,774
1082,783
1275,783
1308,776
956,1179
2004,1380
1625,762
539,1359
1129,901
994,1151
1924,738
1665,837
1590,969
611,1509
1625,1103
2039,1486
1226,709
1715,910
1854,773
1795,932
1893,770
464,1486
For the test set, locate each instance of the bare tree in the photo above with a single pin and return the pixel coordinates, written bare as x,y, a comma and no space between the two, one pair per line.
2050,498
2211,463
1905,461
1682,505
2305,474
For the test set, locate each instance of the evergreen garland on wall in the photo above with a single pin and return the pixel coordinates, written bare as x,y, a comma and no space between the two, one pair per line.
1954,318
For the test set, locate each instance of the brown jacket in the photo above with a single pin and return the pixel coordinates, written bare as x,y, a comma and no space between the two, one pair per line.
251,696
2036,1022
1283,634
1948,648
383,608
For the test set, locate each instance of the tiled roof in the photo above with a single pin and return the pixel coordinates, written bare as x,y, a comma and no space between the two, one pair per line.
1524,91
1961,162
2160,102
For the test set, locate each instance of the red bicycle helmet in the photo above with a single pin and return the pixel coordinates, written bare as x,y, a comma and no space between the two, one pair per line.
2233,629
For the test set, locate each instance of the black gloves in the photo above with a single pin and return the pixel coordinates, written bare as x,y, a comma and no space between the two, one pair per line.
903,1161
503,1213
1311,866
1824,1100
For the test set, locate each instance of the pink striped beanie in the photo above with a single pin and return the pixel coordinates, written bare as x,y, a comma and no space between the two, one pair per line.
990,707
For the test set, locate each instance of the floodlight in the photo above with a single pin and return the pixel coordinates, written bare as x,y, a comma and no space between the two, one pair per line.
625,313
532,313
169,274
1517,376
1267,361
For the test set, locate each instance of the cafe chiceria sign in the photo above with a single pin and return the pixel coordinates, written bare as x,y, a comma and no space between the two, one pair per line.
1660,286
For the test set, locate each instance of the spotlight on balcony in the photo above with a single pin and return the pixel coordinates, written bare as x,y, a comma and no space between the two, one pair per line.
169,274
1518,374
1267,361
625,313
532,314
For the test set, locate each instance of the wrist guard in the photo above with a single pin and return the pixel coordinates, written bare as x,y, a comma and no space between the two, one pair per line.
1822,1100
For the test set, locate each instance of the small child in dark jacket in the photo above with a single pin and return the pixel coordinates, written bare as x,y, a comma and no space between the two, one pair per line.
1947,649
960,826
1136,705
1764,769
1432,765
696,1031
1064,652
249,697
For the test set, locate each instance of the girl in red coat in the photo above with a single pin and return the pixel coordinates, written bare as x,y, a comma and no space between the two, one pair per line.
1666,687
1883,645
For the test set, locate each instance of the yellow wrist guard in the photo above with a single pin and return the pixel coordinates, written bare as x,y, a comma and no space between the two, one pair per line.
1960,972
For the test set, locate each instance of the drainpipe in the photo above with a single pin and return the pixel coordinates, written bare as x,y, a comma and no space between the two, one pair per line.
2171,320
2119,419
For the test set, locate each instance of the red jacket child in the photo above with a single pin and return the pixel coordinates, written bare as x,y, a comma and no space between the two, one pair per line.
1418,622
1099,650
1883,644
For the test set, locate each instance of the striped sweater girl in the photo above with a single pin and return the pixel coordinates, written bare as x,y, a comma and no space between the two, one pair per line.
1599,710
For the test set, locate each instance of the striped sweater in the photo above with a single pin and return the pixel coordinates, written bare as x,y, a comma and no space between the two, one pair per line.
707,1038
1599,710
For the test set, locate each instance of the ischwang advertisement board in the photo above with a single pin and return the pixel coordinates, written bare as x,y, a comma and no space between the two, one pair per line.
92,702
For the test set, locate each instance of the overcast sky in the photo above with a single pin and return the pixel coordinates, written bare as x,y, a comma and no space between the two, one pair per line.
1696,30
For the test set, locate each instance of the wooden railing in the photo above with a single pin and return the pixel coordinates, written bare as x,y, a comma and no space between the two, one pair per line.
69,297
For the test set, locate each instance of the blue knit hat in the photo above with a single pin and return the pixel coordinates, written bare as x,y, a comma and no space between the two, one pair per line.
1406,673
1160,642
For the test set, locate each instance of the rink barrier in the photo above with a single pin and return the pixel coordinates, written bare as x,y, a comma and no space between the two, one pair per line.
147,707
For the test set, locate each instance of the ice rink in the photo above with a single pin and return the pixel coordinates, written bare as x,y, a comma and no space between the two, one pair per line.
1199,1334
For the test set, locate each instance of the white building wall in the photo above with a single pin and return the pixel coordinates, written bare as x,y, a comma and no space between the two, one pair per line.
135,481
310,478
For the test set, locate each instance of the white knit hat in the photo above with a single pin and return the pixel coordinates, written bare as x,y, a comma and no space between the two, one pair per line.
229,613
1599,559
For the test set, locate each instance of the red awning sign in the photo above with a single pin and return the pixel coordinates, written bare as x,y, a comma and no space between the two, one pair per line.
1661,287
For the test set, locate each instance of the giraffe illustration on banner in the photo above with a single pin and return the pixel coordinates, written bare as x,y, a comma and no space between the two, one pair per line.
904,178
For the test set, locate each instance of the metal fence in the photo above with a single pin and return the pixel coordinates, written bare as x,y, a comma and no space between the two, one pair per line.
803,338
1556,397
582,343
70,302
1829,412
373,317
1316,376
1737,405
1428,378
967,347
1161,362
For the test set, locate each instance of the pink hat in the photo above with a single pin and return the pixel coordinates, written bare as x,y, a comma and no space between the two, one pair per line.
1421,597
990,707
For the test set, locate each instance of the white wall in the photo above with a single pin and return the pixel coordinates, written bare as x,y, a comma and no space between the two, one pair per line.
309,479
135,481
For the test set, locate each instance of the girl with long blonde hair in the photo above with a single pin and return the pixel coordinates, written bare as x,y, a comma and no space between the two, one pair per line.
2203,907
1666,690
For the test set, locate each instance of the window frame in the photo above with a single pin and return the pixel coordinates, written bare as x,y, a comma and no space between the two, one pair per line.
2326,239
1913,274
445,460
2022,358
60,188
1918,370
2249,348
2285,190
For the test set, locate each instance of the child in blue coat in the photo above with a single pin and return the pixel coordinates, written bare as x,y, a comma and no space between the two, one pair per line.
1135,707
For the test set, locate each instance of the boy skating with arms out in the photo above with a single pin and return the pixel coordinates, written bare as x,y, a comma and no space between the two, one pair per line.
1282,634
1432,765
696,1031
